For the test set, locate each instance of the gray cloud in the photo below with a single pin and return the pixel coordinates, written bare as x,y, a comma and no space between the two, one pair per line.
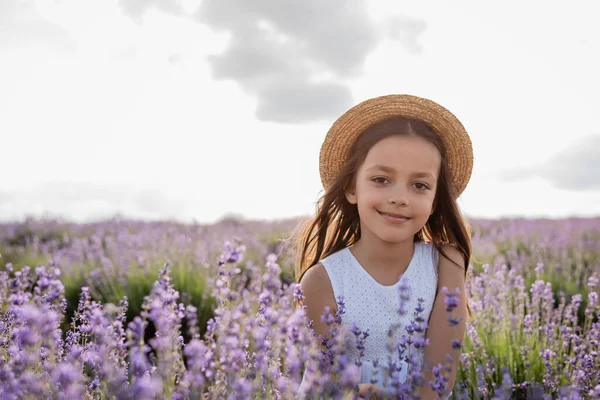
338,38
577,167
81,201
294,56
288,102
22,26
137,8
407,30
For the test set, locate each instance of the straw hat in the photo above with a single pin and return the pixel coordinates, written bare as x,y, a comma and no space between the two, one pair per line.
353,122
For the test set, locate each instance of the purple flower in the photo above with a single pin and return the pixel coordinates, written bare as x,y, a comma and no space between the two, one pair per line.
68,380
256,324
232,254
166,315
147,387
341,309
593,281
350,375
451,300
298,293
420,343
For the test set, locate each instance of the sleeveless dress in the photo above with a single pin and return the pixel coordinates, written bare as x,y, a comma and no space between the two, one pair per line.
374,306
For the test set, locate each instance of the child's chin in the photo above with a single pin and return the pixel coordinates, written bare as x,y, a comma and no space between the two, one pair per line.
394,238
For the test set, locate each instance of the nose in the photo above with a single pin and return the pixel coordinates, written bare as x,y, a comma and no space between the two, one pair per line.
399,197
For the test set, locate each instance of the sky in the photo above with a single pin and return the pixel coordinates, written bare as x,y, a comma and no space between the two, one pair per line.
195,109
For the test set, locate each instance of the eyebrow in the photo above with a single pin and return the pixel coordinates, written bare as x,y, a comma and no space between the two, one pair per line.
385,168
424,175
382,168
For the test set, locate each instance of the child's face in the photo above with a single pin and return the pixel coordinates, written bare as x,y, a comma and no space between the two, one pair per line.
395,187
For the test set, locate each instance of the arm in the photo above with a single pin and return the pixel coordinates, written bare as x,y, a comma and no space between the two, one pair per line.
451,274
318,294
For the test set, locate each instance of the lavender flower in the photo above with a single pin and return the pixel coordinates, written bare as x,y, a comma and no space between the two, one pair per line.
534,303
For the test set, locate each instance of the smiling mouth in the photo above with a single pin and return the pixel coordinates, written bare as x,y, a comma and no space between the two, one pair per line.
393,217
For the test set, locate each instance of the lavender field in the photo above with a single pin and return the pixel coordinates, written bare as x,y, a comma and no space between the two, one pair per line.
139,310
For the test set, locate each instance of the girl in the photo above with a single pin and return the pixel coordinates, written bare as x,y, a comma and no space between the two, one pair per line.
392,168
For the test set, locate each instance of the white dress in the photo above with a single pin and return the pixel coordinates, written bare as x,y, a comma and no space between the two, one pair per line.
375,307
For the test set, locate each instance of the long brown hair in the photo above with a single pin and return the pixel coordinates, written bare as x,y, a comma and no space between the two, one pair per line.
336,224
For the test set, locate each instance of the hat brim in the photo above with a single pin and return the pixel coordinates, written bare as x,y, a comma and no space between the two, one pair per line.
352,123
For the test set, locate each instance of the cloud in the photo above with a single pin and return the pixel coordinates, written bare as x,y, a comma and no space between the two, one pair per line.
294,57
577,167
407,30
297,101
137,8
22,26
83,201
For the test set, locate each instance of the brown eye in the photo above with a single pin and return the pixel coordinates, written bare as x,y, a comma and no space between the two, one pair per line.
379,180
421,186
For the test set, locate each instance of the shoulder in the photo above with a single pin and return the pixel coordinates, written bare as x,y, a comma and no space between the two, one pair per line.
451,254
315,283
451,269
318,292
